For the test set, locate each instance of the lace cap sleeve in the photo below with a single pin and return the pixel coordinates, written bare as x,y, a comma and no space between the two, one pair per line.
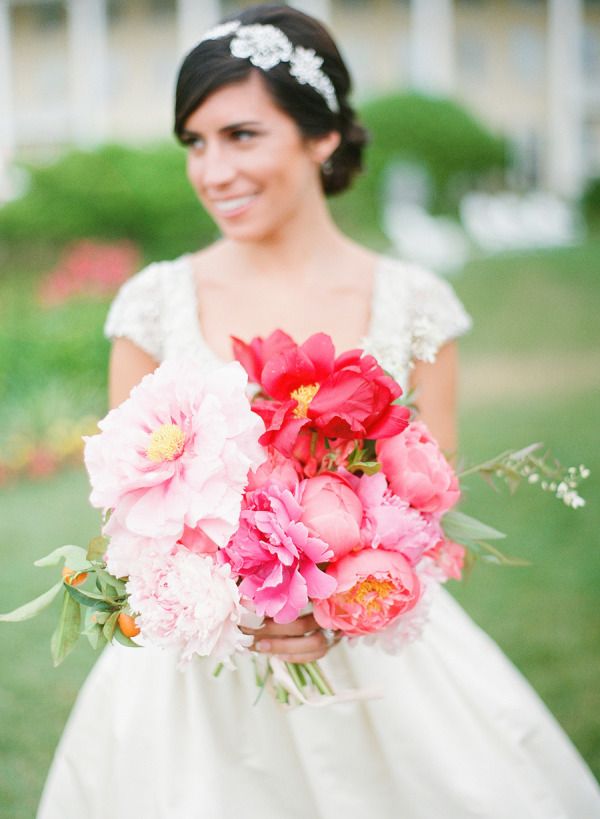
436,314
136,311
414,314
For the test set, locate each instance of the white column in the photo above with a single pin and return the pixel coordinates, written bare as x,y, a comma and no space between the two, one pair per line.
432,46
7,115
564,160
88,64
321,9
194,17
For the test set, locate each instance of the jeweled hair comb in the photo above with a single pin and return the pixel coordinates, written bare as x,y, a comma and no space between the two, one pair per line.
266,46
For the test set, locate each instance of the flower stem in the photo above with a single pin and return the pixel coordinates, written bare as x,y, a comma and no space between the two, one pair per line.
316,675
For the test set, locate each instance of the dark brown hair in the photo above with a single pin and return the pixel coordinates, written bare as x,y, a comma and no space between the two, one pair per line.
210,66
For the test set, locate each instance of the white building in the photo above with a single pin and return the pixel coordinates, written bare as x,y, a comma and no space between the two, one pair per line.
84,71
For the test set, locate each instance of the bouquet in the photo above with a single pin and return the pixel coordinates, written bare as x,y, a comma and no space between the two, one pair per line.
320,493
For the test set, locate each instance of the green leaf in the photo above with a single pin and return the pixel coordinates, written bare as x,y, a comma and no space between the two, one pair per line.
109,627
87,598
368,467
74,557
460,527
108,581
67,631
125,641
97,548
497,557
32,608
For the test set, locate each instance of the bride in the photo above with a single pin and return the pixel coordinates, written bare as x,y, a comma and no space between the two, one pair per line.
262,106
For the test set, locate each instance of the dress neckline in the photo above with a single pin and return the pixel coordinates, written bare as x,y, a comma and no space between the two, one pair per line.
194,305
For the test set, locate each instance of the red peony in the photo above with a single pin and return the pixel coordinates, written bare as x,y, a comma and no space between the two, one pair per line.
306,387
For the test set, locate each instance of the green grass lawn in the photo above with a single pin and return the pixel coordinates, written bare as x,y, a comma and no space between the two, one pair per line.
544,616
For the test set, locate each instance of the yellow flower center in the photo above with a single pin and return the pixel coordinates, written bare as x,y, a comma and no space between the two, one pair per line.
368,593
304,395
166,443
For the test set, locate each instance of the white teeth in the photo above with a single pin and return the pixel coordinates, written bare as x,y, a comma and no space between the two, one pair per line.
233,204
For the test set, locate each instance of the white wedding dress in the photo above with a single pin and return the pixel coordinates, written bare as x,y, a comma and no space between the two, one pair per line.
457,734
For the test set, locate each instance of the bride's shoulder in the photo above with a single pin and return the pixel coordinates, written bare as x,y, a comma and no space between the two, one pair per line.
138,309
417,304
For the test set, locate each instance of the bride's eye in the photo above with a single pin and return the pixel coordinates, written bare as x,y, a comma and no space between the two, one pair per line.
242,135
194,144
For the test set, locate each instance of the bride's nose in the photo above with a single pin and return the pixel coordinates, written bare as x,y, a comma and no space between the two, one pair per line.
217,168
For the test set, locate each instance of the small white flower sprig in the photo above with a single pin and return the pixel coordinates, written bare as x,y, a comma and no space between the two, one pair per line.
266,46
546,472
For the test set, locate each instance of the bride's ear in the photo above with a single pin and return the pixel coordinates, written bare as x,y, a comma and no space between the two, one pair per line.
321,148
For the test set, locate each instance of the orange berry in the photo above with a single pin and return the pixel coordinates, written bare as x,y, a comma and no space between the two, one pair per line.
128,625
73,578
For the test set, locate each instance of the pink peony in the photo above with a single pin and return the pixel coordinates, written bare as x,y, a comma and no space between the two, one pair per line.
186,601
332,512
177,453
275,554
448,559
374,587
276,469
389,522
417,471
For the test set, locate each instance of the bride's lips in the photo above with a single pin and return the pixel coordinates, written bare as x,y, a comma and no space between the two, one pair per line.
234,206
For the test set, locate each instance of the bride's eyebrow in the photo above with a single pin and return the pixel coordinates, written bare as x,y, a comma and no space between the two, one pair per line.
235,126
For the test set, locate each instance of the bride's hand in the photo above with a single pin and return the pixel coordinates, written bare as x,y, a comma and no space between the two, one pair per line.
301,641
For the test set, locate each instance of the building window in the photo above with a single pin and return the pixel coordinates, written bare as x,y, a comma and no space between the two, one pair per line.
471,57
591,55
526,46
166,8
49,15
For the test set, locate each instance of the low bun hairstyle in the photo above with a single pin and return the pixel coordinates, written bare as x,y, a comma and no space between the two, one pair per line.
210,66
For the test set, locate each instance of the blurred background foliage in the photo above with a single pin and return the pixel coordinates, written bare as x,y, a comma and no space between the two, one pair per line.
530,372
142,194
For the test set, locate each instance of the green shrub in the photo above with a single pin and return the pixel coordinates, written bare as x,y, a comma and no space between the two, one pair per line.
590,203
456,152
113,192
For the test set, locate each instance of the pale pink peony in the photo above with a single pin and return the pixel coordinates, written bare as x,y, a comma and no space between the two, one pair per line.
125,551
186,601
374,587
389,522
417,470
177,453
275,554
332,512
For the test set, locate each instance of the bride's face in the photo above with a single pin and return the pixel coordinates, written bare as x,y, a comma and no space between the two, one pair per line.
248,162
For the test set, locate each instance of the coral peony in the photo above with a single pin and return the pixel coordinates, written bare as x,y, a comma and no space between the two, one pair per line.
177,453
417,471
347,397
186,601
275,554
332,512
374,587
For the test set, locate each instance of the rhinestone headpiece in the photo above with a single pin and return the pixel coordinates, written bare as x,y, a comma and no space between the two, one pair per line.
266,46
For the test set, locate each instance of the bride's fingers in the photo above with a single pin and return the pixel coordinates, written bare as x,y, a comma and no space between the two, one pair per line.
315,646
297,628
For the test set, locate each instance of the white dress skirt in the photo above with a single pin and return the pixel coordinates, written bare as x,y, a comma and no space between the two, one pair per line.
457,732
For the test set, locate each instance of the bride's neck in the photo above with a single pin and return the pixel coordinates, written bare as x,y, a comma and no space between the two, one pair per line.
302,247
